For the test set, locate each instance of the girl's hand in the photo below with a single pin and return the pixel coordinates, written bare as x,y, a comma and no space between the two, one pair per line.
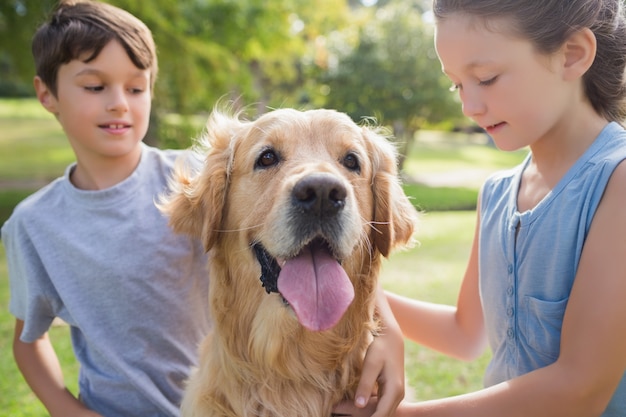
347,408
383,365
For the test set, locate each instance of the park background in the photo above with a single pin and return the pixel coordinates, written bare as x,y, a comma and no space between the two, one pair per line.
370,59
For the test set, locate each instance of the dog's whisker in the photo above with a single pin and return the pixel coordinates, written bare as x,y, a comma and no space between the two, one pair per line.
368,252
375,222
371,224
241,229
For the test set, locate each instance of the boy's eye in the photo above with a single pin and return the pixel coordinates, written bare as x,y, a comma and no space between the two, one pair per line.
94,88
136,90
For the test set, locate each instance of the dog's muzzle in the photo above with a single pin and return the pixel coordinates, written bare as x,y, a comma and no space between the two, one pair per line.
309,277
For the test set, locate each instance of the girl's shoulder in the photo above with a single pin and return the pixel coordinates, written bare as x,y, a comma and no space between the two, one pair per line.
502,181
611,143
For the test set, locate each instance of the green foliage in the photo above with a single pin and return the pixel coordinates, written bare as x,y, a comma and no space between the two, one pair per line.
33,148
430,199
15,88
179,131
18,22
9,199
390,70
369,61
245,51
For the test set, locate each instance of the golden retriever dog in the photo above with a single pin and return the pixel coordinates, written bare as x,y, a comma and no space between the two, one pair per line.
308,202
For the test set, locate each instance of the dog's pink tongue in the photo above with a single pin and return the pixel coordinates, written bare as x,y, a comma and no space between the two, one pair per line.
316,287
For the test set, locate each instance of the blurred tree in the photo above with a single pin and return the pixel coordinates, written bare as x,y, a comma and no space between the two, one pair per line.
365,57
245,51
18,21
212,49
389,70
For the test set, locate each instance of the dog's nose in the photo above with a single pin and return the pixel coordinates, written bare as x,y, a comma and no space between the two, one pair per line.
319,195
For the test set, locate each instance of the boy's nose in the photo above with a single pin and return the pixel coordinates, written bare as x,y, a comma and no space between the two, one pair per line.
117,101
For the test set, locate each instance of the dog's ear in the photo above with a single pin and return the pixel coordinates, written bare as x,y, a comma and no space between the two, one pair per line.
196,203
395,217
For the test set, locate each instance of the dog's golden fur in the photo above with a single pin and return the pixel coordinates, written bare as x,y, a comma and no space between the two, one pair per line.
259,360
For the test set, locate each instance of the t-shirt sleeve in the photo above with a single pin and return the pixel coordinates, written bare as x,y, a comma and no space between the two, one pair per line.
28,300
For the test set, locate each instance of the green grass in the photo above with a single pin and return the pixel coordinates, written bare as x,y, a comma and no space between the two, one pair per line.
432,271
441,152
32,145
441,198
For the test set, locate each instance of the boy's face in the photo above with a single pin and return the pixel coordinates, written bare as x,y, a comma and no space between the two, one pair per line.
103,105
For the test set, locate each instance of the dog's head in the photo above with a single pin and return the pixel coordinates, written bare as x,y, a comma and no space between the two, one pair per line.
310,194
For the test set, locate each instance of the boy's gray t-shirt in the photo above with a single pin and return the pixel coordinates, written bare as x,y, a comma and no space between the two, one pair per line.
134,293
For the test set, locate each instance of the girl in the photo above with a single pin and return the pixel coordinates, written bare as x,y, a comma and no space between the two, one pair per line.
546,280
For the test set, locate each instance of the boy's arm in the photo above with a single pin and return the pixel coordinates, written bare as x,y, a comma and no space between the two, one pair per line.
41,369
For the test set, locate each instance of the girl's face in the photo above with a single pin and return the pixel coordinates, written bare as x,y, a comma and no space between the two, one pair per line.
515,93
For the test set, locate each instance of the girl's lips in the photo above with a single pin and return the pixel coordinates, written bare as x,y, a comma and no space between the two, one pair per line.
493,128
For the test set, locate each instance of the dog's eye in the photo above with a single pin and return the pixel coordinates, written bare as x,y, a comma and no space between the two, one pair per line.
351,162
267,159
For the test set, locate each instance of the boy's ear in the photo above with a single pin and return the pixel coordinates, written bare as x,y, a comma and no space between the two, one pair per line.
579,53
44,95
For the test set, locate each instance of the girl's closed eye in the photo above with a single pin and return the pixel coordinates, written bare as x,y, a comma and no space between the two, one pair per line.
488,82
482,83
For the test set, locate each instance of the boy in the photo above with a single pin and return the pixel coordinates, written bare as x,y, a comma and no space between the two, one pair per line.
91,247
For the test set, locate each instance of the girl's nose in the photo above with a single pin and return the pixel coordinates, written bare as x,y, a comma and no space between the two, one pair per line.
472,102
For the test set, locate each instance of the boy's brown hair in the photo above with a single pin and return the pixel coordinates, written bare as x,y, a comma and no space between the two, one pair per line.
80,29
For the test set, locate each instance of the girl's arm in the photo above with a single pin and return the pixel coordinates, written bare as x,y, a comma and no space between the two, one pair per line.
455,331
592,360
384,364
41,369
